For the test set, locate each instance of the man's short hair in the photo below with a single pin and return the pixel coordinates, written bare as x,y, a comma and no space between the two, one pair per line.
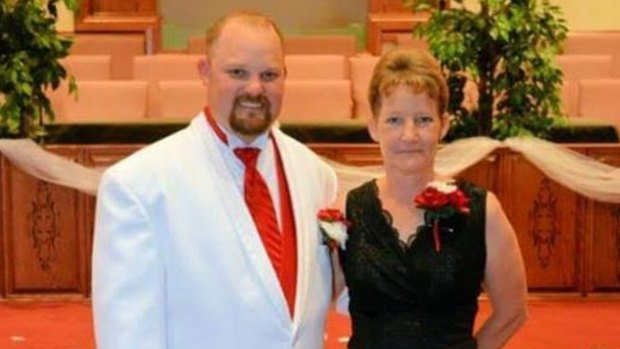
251,18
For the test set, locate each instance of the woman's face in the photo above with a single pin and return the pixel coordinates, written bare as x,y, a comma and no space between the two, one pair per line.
408,130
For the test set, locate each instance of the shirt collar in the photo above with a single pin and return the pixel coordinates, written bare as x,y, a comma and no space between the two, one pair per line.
230,139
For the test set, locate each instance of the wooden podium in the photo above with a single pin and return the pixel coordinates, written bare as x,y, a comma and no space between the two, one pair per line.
121,16
388,18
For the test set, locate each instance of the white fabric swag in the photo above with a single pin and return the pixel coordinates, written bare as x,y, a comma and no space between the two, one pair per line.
576,171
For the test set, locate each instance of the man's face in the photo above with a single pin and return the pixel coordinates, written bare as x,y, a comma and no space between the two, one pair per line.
245,78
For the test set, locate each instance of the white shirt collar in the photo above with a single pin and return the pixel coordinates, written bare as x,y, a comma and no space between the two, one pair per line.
234,142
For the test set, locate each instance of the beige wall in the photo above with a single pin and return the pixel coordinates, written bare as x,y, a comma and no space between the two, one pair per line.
299,14
65,18
585,15
591,15
291,16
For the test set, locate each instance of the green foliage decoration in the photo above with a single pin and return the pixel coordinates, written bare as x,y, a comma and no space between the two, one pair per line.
507,48
30,50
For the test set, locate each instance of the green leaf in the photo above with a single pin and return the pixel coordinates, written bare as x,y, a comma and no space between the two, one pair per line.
71,4
26,89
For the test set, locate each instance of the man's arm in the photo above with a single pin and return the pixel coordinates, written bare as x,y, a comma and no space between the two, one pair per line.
128,272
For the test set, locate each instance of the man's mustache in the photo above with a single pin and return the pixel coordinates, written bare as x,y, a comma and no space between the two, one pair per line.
262,99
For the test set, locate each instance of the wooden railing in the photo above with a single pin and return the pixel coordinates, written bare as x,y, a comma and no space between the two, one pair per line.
570,244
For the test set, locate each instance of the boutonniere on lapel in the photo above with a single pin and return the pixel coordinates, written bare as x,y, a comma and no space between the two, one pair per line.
333,227
441,200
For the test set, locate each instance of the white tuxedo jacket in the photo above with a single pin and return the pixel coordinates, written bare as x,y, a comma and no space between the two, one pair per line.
178,263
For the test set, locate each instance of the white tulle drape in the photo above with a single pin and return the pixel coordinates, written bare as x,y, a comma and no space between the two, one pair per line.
37,162
578,172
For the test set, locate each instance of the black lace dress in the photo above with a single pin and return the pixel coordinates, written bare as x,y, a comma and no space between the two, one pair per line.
409,295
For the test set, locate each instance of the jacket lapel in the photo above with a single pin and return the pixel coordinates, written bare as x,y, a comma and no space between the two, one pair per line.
305,240
241,222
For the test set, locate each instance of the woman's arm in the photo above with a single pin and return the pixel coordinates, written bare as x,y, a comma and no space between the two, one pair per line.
339,282
504,280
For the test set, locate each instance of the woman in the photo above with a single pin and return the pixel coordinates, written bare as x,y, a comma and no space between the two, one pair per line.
414,278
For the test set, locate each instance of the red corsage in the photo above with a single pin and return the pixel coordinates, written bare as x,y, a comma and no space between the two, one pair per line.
441,200
333,227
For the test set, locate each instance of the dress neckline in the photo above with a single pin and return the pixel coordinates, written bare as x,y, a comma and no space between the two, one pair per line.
388,220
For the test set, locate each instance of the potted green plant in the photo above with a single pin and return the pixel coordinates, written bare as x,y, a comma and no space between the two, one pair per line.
507,47
30,50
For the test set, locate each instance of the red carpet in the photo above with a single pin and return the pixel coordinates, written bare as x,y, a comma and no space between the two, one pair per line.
575,324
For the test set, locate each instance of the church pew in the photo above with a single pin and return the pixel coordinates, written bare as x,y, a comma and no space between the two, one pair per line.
101,101
88,67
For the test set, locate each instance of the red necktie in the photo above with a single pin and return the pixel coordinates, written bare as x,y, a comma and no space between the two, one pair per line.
259,202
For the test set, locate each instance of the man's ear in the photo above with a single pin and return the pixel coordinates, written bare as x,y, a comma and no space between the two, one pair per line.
373,128
204,67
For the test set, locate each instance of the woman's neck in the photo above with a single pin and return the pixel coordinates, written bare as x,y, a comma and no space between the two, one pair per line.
403,188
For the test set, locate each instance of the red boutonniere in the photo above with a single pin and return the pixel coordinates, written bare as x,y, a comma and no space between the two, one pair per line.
441,200
333,227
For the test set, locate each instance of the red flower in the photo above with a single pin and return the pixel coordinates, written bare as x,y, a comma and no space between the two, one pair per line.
331,215
441,200
459,201
431,198
333,226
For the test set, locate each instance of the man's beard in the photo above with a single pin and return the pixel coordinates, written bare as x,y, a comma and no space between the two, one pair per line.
254,122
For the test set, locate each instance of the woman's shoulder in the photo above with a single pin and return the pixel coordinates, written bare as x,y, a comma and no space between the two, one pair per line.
363,190
482,200
478,198
466,185
359,195
473,191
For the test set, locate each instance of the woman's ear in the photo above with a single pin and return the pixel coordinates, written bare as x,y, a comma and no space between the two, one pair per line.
373,128
445,125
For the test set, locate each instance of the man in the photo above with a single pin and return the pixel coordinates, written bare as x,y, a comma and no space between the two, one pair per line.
182,258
